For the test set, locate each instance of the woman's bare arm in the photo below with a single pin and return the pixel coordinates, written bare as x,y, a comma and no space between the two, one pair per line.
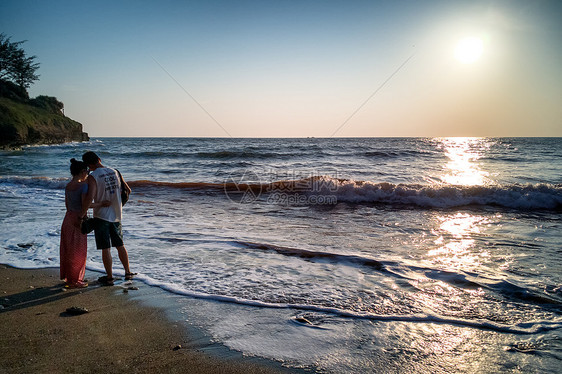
89,196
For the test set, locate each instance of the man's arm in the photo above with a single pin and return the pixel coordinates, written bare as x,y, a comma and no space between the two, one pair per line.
123,183
126,186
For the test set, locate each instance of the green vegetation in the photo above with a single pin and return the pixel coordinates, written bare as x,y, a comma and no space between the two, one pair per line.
15,65
22,124
48,103
29,121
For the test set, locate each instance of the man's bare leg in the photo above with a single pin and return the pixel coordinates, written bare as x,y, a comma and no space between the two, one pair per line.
124,258
107,262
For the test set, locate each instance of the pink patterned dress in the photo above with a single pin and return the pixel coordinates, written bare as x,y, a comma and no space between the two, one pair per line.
73,244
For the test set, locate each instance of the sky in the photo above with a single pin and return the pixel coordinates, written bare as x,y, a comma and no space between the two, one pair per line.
297,68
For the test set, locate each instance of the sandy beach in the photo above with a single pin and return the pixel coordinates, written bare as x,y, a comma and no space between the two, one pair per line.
117,335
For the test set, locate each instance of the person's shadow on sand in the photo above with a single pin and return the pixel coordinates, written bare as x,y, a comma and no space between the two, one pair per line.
38,296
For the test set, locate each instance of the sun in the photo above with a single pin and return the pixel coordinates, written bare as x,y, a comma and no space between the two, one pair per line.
469,50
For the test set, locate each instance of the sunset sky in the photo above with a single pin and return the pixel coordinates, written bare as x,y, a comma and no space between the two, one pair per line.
298,68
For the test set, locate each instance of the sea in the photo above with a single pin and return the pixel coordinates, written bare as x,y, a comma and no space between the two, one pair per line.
332,255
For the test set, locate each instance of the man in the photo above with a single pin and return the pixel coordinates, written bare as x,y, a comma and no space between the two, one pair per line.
105,184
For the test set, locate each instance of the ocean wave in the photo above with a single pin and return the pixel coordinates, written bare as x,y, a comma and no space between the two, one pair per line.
263,153
526,197
507,289
247,154
177,185
154,154
516,196
35,182
67,145
307,254
523,328
395,154
531,196
244,154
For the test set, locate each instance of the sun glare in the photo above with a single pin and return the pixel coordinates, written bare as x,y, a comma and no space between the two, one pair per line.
469,50
463,167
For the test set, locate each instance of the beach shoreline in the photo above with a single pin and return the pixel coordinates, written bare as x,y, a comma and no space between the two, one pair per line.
119,333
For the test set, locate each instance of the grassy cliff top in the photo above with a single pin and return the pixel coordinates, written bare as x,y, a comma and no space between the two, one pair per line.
23,123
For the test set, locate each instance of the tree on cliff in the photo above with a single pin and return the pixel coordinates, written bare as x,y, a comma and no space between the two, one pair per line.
15,65
29,121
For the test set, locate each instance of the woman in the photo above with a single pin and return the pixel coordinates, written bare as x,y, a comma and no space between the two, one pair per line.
74,244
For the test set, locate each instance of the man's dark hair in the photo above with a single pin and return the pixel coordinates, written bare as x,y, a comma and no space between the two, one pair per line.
90,158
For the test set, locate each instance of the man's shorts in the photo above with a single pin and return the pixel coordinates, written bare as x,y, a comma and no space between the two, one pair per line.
108,234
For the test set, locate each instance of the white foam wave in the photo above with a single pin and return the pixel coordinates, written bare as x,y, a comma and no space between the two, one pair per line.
537,196
522,328
72,144
35,182
525,328
530,196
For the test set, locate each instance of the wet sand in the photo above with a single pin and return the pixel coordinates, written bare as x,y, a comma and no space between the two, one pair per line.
117,335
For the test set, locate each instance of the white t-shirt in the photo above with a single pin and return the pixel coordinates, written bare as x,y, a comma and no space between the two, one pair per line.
108,187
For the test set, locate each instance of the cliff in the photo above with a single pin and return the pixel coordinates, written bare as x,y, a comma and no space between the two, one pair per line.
36,121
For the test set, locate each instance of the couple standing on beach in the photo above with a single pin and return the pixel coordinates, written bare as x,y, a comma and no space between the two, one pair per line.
103,185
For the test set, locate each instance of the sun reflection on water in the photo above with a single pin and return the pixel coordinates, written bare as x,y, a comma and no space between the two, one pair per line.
462,167
457,252
455,242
